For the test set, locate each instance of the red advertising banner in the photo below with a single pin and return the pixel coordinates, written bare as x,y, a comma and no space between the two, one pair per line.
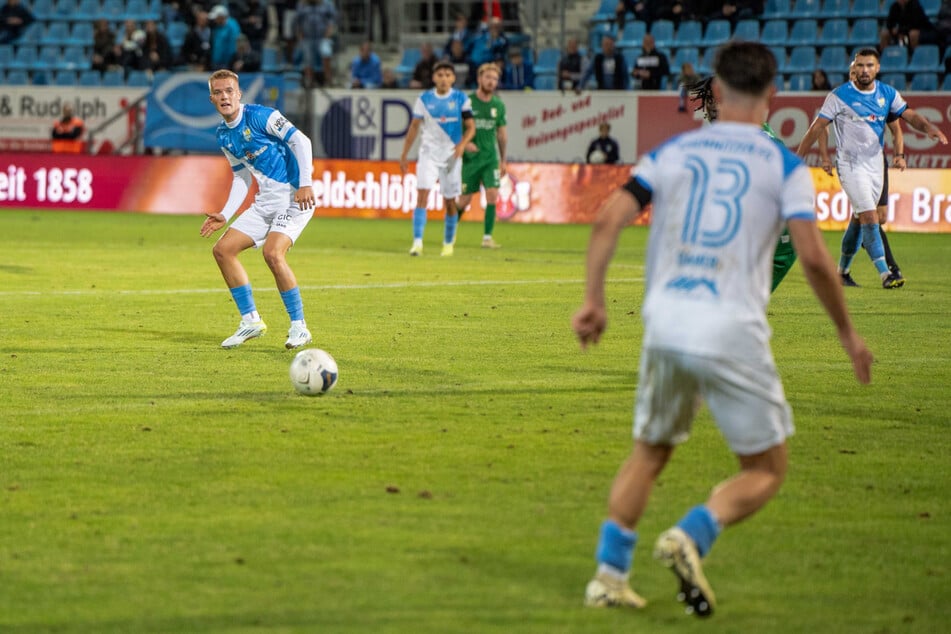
920,199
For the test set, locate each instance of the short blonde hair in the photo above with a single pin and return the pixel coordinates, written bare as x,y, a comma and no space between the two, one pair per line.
490,66
223,73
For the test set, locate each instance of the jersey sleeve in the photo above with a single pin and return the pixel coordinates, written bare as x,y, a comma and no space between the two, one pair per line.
829,107
798,197
898,105
466,104
278,126
419,109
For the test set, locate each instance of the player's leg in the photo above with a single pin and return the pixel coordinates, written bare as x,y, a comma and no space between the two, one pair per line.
427,173
491,181
863,185
450,183
285,230
783,258
896,279
226,250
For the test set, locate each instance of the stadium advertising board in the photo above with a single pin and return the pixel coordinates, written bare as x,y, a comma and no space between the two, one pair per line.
27,114
920,199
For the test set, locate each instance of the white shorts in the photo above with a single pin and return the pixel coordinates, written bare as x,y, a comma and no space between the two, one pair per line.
447,173
258,221
862,181
746,400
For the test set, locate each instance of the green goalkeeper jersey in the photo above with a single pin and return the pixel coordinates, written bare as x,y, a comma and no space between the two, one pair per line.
489,117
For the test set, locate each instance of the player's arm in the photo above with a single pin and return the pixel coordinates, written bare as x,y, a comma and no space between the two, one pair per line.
502,136
621,207
812,135
411,134
468,133
924,126
820,272
240,185
303,152
898,138
824,161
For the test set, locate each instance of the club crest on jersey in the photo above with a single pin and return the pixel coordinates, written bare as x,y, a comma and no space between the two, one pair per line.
492,112
246,133
881,101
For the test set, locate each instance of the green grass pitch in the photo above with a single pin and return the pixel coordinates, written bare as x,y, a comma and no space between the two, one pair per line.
455,479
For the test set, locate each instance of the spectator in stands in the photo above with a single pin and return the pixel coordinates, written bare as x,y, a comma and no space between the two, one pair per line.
640,9
519,73
688,77
943,26
461,32
820,81
156,49
378,7
490,46
463,67
129,49
253,19
366,70
570,66
196,49
104,55
907,24
390,80
608,68
14,18
245,58
68,132
673,10
316,26
423,72
651,66
224,36
604,149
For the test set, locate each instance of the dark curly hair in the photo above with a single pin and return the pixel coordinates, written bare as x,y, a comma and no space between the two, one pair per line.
702,91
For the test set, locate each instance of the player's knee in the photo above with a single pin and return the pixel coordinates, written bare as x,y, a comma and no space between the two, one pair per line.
273,256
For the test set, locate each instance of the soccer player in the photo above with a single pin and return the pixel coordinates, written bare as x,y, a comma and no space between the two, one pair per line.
444,114
484,160
258,141
720,197
858,111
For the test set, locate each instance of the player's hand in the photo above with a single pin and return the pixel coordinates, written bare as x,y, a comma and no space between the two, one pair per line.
304,197
860,355
458,152
213,222
899,162
826,166
589,323
503,168
472,147
938,135
404,165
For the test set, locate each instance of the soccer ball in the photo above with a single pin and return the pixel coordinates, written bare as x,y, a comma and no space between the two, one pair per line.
313,372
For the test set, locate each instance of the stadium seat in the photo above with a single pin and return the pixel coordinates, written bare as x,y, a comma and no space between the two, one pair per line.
705,65
716,33
897,80
17,77
836,79
90,78
630,56
946,84
408,61
663,32
64,78
803,32
176,32
864,33
926,58
835,32
833,58
6,56
775,33
113,10
75,58
605,12
271,60
689,33
81,34
800,82
57,33
598,32
931,7
780,83
24,58
632,35
869,9
747,30
33,34
138,79
43,9
802,59
66,9
779,52
806,9
894,59
832,9
140,11
86,11
687,54
924,81
49,58
777,10
113,78
546,81
547,61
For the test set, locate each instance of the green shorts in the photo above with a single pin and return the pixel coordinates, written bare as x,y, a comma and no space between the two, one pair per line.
475,173
783,258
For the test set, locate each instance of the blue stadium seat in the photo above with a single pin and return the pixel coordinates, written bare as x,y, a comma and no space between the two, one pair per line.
864,32
800,82
946,84
81,34
775,33
66,9
663,32
113,10
64,78
926,58
17,77
43,9
633,34
802,59
835,32
894,59
547,61
833,58
716,33
705,65
113,77
777,10
897,80
687,54
546,81
747,30
924,81
138,79
57,33
176,32
140,11
806,9
598,32
75,58
271,60
87,11
630,56
832,9
869,9
779,52
33,34
689,33
24,58
931,8
49,58
803,32
836,79
408,61
6,56
90,78
605,12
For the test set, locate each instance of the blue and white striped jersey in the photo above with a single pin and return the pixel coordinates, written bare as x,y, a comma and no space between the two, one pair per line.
257,140
859,118
442,128
721,196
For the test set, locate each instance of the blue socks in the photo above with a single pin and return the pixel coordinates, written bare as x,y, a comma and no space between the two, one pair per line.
872,241
851,242
701,527
243,298
616,547
419,222
293,303
450,234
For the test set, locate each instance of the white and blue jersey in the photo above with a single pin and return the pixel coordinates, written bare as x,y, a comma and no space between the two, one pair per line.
257,140
721,196
442,128
859,118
